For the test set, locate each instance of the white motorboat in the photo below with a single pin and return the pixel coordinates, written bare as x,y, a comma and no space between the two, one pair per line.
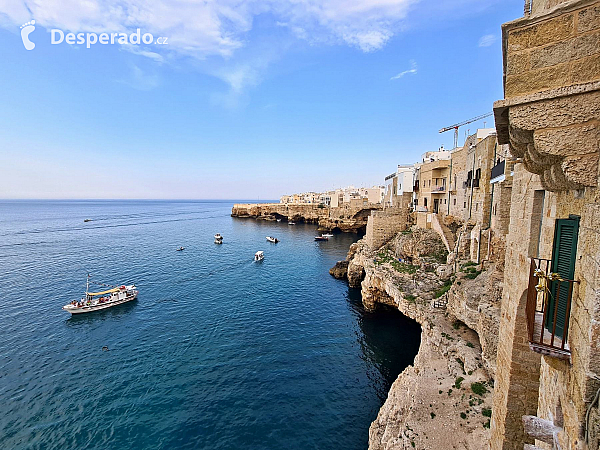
259,256
272,239
321,238
96,301
328,235
218,238
291,223
278,220
180,249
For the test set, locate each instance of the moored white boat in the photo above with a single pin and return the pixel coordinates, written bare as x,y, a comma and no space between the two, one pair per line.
272,239
96,301
321,238
327,235
218,238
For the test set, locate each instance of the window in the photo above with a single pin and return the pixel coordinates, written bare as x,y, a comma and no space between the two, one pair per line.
425,202
465,205
444,201
454,202
429,183
563,262
476,206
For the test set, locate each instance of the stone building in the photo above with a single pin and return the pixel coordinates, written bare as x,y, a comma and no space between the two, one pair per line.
433,178
548,361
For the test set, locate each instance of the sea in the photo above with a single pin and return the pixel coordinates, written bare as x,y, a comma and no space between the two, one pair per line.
217,352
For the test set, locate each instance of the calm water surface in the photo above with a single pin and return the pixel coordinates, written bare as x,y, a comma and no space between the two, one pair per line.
219,352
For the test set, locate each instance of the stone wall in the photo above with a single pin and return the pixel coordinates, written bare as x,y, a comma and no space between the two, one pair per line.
554,50
518,368
384,225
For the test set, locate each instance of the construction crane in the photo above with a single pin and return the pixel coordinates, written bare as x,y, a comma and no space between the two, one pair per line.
456,125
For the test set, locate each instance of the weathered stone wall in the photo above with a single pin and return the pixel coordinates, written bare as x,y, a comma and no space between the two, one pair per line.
384,225
555,50
517,374
482,157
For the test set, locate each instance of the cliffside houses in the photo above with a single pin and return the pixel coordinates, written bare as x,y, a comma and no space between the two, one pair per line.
531,186
350,197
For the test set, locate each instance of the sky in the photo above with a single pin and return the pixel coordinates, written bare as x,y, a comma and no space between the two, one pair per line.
248,99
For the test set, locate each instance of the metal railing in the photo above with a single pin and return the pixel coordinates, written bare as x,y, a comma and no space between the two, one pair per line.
547,311
439,189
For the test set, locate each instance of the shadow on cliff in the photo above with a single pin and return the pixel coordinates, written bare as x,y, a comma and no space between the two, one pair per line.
389,341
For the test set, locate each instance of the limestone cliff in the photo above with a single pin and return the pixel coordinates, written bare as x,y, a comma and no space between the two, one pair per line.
444,399
343,219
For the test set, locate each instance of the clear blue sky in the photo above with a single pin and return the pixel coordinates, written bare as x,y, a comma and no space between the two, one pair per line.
248,99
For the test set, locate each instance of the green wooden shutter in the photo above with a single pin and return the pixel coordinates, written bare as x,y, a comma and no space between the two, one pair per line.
563,263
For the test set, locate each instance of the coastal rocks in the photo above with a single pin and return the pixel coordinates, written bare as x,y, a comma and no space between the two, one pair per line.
419,245
475,300
356,274
340,219
444,399
340,270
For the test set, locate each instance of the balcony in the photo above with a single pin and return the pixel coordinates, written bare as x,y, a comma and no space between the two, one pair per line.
548,320
498,172
438,189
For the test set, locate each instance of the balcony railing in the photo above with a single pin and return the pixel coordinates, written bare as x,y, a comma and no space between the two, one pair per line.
439,189
548,307
498,170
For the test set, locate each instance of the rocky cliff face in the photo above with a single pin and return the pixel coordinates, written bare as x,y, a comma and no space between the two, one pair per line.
444,399
344,219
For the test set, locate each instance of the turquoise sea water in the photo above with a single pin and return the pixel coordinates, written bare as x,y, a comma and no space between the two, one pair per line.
218,352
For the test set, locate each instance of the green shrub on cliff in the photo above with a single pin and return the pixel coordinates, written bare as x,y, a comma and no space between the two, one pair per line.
478,388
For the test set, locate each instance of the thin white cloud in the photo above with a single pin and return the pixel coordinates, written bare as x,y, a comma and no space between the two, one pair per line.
413,70
487,40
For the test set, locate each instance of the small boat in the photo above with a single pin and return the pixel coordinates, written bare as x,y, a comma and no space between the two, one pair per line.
291,223
259,256
95,301
87,220
180,249
278,220
272,239
218,238
321,238
327,235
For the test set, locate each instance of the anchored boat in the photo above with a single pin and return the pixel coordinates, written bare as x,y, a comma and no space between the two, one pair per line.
95,301
321,238
259,256
272,239
218,238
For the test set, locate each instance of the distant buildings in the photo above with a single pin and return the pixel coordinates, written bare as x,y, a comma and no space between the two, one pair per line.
350,196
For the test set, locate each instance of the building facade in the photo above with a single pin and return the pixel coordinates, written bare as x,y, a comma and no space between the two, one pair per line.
548,377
